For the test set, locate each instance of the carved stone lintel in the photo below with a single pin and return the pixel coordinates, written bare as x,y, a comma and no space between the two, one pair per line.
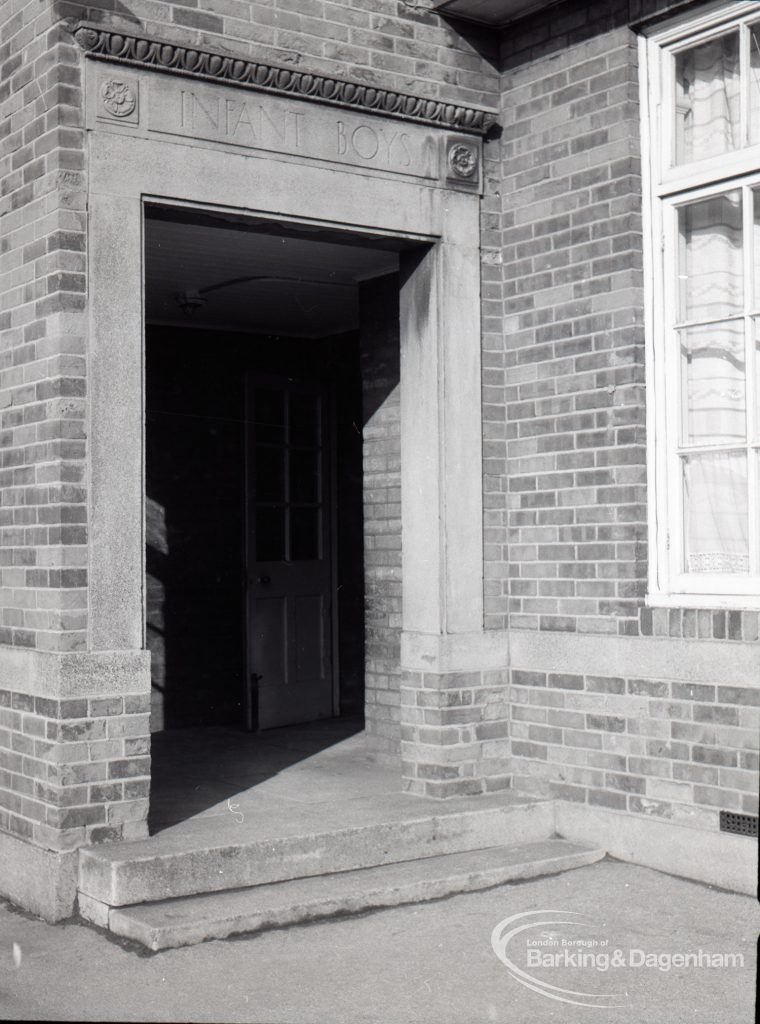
141,52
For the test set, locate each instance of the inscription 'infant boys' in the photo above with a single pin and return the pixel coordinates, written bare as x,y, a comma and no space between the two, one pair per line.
253,124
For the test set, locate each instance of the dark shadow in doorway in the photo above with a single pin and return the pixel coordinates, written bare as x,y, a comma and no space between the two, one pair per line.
195,441
193,770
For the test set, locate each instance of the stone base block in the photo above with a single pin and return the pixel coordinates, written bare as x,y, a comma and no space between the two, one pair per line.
44,882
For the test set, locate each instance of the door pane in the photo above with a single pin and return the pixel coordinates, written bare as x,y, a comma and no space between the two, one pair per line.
269,414
713,383
304,534
710,259
707,99
304,419
715,512
270,474
270,534
304,475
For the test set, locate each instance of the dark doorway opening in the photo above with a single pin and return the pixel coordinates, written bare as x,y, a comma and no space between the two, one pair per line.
235,308
196,447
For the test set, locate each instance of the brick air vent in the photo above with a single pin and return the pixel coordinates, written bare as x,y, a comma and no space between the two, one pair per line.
739,824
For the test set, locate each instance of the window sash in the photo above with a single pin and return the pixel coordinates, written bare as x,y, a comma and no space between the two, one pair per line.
675,444
666,189
722,20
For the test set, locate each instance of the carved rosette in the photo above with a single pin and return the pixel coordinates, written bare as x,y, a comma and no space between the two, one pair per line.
138,51
463,161
118,98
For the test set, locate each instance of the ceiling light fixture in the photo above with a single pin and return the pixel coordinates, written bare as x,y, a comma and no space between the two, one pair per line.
190,301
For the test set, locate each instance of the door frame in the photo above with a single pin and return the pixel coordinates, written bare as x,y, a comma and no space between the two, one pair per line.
251,718
440,332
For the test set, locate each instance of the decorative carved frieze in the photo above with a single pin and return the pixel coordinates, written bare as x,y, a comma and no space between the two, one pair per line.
152,54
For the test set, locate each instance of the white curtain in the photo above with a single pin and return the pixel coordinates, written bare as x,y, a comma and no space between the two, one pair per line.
711,275
713,385
708,99
715,504
711,263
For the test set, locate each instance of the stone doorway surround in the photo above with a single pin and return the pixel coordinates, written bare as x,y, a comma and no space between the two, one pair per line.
160,138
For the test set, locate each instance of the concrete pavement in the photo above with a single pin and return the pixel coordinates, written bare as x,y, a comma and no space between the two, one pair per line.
417,964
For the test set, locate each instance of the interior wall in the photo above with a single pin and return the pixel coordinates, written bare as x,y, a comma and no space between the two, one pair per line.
194,529
195,483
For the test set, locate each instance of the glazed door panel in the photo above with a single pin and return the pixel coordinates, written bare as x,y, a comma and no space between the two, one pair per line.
289,559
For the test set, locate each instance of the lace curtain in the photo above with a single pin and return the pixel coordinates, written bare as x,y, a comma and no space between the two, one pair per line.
708,99
713,392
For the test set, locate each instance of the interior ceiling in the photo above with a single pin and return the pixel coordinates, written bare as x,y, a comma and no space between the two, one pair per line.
307,286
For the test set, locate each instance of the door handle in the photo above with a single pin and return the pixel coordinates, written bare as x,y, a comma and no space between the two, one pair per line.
264,580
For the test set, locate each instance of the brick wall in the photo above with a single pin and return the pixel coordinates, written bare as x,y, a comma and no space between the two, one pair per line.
455,733
400,44
565,491
43,557
669,750
74,771
572,554
379,355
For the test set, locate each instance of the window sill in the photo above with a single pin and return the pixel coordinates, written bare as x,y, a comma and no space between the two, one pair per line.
711,602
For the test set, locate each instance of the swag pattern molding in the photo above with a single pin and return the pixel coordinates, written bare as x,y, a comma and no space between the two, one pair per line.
152,54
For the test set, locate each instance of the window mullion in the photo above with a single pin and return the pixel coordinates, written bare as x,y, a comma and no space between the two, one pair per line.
750,378
673,392
666,113
744,63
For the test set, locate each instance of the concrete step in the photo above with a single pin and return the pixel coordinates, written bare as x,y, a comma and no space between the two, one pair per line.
193,919
205,856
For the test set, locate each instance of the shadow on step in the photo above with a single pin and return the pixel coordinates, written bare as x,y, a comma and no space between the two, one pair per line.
197,771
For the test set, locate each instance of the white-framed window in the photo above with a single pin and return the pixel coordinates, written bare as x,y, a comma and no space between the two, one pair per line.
700,89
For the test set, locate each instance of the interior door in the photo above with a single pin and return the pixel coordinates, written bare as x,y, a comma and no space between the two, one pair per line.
289,561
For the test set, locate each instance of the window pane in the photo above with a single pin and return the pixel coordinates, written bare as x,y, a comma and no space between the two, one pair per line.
304,534
304,475
715,512
711,265
270,534
269,414
754,83
713,383
304,419
707,99
756,248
